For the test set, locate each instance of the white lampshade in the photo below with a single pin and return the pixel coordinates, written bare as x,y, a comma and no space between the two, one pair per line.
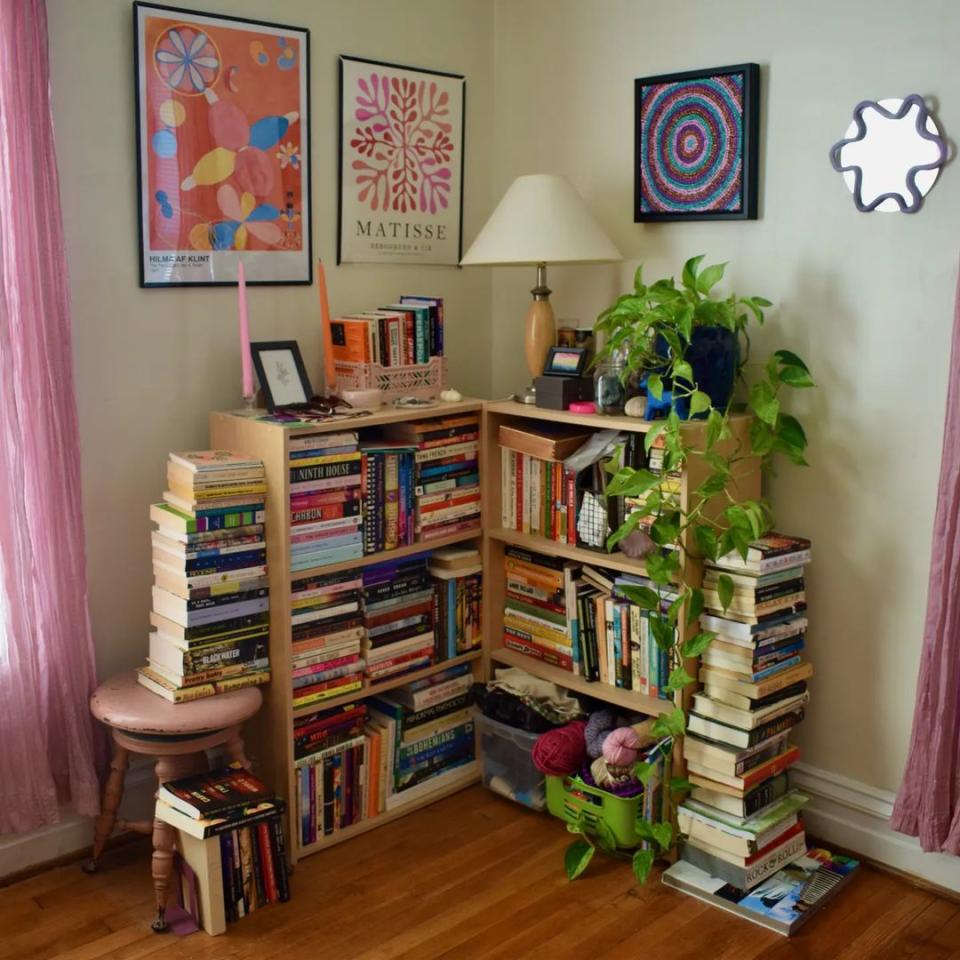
541,219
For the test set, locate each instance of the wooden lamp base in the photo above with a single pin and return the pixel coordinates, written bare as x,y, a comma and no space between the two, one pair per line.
540,333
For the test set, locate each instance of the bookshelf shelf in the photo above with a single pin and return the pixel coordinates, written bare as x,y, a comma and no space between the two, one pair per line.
592,558
375,689
628,699
453,786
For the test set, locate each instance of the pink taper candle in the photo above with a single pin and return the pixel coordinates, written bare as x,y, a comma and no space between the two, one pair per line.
329,369
246,361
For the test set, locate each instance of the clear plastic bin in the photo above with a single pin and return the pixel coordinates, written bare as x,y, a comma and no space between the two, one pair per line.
506,765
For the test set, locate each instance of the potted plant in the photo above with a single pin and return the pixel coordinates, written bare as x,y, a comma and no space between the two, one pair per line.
686,345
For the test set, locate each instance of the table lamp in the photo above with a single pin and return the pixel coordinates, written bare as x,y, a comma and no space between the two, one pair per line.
541,219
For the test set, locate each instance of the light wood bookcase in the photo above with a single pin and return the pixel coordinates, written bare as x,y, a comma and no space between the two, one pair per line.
270,735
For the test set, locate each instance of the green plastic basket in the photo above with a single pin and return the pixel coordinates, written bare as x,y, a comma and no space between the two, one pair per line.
602,814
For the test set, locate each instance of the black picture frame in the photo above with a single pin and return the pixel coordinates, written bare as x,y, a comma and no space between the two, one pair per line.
261,347
749,153
581,353
306,168
342,58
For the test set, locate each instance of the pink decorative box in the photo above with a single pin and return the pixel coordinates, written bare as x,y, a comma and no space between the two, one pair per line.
422,380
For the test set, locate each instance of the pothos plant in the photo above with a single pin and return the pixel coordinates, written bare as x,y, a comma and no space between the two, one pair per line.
653,328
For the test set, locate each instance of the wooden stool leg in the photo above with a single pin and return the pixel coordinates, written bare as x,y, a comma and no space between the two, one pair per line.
112,795
235,751
168,768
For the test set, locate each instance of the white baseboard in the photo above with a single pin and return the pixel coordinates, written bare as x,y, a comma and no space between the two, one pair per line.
21,851
857,816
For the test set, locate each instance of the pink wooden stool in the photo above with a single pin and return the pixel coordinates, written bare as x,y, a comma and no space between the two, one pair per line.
177,734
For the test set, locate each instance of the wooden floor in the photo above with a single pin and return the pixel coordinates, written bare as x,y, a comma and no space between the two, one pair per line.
471,877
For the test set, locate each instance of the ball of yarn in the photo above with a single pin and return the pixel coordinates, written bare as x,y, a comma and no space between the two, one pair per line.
620,746
560,752
600,723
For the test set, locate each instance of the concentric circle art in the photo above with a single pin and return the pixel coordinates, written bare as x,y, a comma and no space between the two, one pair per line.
691,146
186,60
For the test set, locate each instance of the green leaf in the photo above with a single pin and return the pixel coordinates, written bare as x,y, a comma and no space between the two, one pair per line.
789,359
684,321
670,724
714,484
652,434
624,530
664,531
699,402
642,865
683,371
762,438
762,301
792,432
764,402
696,645
795,377
628,482
725,589
689,276
643,597
663,834
662,631
678,679
662,566
655,385
577,858
638,285
706,539
715,427
710,277
642,771
680,785
694,606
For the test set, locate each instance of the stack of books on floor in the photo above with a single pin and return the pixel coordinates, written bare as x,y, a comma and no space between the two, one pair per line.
366,758
388,495
231,808
458,585
538,495
327,634
446,473
210,594
397,611
398,334
325,500
742,822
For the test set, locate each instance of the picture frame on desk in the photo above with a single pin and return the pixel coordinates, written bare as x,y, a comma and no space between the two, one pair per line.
564,361
282,375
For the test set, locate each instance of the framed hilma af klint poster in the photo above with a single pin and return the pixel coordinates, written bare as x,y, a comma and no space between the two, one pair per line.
401,164
696,141
223,148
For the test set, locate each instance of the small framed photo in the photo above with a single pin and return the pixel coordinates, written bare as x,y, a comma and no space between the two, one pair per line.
281,373
566,362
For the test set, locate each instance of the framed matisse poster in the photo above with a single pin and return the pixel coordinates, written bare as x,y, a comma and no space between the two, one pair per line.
223,148
401,164
696,141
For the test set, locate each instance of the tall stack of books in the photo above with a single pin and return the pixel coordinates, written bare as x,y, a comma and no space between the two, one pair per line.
325,506
742,823
538,495
327,633
403,333
429,734
446,473
458,582
388,495
243,816
397,609
210,595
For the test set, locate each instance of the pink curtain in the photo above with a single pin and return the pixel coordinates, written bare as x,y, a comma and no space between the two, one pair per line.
928,804
47,740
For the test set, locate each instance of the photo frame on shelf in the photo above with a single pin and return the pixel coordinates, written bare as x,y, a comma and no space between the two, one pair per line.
281,373
696,145
566,362
401,164
223,148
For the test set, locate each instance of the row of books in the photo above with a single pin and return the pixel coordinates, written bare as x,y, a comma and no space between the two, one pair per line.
575,617
210,612
742,822
360,760
374,623
410,331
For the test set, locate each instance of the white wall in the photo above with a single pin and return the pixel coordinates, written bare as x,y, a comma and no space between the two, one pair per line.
150,364
867,299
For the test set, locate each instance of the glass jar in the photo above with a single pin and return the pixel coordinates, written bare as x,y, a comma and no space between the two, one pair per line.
609,391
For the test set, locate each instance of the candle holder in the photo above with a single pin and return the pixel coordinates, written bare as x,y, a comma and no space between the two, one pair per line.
249,401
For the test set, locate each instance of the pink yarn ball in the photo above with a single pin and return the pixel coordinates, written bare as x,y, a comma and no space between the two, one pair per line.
560,752
621,746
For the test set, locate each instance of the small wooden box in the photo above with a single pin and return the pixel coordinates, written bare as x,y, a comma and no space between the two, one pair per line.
557,393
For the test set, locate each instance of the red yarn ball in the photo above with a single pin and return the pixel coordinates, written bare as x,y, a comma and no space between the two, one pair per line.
561,752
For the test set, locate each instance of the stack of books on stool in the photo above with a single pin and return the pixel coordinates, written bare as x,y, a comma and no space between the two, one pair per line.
231,836
210,596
